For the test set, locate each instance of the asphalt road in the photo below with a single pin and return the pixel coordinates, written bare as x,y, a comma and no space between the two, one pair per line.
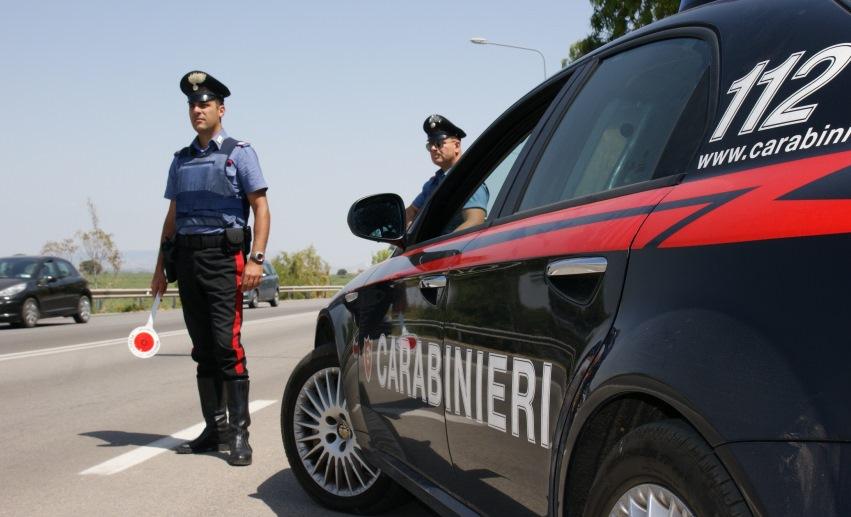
88,428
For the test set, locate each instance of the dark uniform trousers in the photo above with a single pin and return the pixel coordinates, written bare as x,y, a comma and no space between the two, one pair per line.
208,281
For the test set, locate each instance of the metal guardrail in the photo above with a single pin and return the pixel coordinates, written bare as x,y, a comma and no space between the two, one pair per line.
106,294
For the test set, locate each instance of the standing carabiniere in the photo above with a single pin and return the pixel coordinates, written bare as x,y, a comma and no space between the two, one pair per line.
207,245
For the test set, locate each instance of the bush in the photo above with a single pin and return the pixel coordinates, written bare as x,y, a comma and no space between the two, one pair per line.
303,267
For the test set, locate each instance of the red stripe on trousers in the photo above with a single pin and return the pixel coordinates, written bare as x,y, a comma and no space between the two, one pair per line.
237,319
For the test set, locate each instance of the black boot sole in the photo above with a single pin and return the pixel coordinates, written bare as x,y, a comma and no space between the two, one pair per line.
222,447
239,462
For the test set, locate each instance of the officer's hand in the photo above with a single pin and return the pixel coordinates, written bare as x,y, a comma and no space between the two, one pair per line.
251,276
158,283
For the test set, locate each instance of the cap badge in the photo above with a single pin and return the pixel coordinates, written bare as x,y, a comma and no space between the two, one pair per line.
196,78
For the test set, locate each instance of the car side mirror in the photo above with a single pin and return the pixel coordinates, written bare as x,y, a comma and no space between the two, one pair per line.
47,279
379,218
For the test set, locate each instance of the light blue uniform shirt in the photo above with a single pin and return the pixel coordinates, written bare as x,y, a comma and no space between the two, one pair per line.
479,199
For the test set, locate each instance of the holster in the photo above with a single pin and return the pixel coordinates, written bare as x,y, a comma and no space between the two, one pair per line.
169,251
238,239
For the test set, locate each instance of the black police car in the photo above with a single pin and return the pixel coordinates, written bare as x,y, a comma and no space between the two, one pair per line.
653,320
35,287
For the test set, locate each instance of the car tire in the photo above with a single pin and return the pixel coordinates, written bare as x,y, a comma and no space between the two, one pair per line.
349,483
274,301
667,463
29,313
254,299
84,310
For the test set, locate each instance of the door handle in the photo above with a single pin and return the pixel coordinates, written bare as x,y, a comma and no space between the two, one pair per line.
577,266
433,282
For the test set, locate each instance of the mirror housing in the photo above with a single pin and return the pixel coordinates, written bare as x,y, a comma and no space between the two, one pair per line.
379,218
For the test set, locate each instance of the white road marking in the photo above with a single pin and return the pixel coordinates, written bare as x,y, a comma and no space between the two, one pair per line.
123,341
146,452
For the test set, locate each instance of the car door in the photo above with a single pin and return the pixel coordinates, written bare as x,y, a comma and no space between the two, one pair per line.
533,294
404,387
68,286
47,287
401,337
268,284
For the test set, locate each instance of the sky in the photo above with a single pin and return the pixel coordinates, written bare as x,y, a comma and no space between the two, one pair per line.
331,95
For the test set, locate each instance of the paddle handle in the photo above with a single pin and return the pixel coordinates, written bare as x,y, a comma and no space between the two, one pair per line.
154,307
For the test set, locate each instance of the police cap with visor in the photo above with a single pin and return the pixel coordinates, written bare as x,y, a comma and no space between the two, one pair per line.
438,128
200,86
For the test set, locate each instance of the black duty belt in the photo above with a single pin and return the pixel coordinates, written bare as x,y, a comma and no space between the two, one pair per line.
200,242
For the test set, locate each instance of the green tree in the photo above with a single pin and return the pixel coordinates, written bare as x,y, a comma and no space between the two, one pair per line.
614,18
381,255
90,268
342,272
303,267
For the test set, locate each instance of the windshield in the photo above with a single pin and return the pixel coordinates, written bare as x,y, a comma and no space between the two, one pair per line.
16,267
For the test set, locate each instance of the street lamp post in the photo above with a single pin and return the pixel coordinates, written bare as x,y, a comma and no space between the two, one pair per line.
483,41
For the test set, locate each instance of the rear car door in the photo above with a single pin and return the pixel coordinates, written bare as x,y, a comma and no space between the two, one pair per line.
69,286
535,293
269,282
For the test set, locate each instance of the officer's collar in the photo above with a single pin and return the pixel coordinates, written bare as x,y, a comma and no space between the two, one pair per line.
216,141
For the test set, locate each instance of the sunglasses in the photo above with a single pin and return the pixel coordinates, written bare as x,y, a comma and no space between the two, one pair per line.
437,143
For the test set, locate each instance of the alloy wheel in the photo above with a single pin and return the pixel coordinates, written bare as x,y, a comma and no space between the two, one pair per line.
650,500
30,313
84,309
325,439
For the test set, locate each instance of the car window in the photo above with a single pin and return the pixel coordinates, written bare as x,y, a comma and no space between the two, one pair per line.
49,269
267,267
15,267
484,197
640,116
64,268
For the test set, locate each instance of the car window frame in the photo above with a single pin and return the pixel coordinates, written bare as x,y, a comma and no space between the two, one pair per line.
74,272
511,211
486,153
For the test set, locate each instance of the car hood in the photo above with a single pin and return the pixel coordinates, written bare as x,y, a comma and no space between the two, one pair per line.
8,282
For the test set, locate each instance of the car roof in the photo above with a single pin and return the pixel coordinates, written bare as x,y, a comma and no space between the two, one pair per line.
717,14
34,257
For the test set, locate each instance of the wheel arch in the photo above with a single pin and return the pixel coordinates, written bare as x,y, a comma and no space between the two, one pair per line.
334,326
603,418
324,334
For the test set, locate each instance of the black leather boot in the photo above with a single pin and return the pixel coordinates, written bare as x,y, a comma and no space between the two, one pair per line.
215,435
237,394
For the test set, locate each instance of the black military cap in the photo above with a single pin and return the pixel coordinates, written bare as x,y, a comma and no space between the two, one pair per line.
201,87
438,126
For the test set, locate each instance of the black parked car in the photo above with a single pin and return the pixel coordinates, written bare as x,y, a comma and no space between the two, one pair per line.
36,287
267,291
654,318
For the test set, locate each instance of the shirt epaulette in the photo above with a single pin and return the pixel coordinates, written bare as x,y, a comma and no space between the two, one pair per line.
243,144
181,150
